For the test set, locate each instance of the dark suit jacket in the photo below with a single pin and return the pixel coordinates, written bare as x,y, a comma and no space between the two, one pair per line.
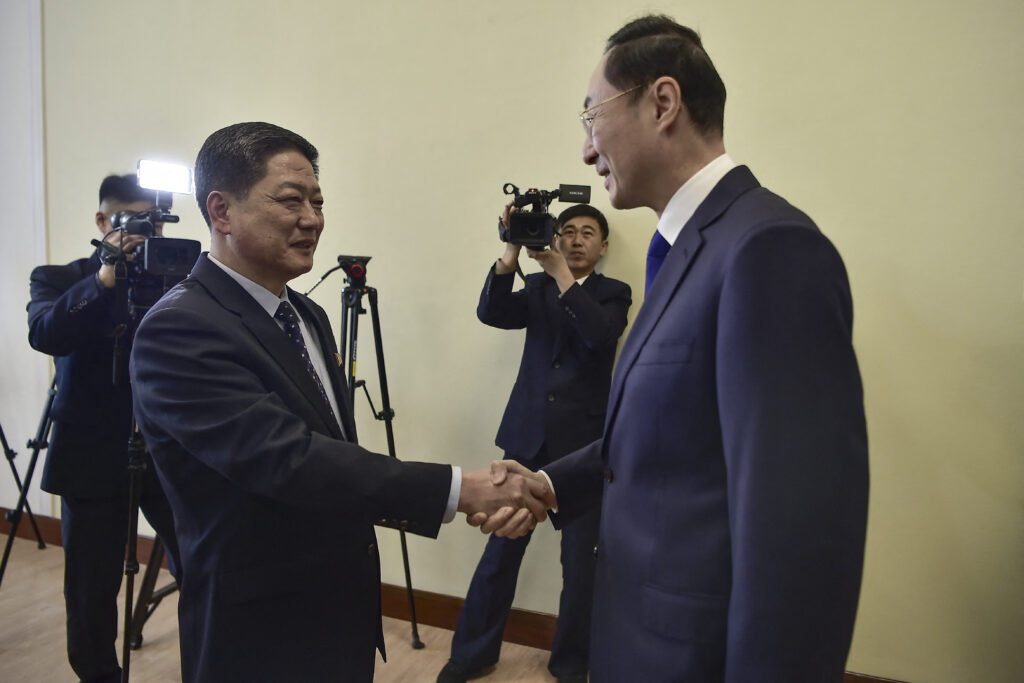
734,459
274,511
561,393
69,318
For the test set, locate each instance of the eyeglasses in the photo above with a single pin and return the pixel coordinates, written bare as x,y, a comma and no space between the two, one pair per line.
588,118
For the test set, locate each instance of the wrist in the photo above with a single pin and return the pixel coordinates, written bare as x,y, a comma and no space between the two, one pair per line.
105,275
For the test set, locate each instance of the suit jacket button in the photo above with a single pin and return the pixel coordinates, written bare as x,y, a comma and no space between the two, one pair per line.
551,398
556,365
595,552
371,550
608,474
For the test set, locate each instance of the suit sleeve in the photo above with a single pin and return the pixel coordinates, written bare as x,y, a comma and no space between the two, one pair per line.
578,479
203,393
499,307
597,323
795,442
62,318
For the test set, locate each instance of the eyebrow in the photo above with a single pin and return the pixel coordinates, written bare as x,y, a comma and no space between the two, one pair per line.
291,185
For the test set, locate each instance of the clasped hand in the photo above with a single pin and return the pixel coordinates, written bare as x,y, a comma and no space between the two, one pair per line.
507,500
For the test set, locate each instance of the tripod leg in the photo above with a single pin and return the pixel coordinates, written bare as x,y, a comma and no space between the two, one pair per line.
131,564
388,415
417,644
156,558
42,434
28,508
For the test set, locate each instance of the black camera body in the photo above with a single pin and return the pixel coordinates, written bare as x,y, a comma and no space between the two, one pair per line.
159,262
534,227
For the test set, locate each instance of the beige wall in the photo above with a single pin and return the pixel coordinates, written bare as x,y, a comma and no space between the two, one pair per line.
896,124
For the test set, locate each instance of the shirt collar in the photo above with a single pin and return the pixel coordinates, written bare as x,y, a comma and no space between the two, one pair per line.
687,198
267,300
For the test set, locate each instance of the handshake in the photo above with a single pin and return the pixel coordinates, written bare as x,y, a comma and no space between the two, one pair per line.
508,500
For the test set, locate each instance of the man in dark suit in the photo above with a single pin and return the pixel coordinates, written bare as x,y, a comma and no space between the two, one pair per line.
733,471
72,316
573,319
240,398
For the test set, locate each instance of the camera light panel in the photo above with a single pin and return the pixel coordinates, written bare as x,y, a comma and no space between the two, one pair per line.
165,176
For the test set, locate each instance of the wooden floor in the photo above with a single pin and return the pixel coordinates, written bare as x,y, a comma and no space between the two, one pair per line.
32,641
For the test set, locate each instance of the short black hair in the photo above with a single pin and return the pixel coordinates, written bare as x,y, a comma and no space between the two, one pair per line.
233,159
125,189
584,210
654,46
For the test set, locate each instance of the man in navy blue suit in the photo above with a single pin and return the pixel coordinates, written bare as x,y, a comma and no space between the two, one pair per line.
72,317
733,469
573,319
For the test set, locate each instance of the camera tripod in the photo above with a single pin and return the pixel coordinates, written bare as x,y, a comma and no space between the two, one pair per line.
128,314
351,298
36,444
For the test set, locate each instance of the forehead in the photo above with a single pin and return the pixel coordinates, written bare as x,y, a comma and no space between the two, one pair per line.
111,204
581,222
599,87
289,167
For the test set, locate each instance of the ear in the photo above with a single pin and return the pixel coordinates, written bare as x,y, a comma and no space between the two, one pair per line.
604,247
101,222
668,101
217,206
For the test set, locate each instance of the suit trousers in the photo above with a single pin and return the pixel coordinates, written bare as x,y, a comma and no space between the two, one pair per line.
95,532
477,640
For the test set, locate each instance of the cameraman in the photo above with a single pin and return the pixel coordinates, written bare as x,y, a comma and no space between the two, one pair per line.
573,319
72,316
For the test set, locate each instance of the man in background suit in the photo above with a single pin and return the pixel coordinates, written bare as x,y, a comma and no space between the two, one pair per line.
72,317
733,464
573,319
242,403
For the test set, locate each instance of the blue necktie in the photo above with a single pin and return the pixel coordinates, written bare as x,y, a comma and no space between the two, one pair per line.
286,314
655,255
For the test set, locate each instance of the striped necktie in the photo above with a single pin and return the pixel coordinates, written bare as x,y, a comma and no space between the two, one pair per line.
286,314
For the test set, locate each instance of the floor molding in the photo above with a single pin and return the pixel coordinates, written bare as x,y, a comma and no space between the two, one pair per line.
533,629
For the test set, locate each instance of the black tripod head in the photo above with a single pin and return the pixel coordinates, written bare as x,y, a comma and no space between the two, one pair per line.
355,269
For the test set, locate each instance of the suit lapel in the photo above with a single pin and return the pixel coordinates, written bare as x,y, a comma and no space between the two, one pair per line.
673,271
266,331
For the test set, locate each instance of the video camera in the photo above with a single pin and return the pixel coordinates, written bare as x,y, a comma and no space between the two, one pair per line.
159,262
534,227
158,256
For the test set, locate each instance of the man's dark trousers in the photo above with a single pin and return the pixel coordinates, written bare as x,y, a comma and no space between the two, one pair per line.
95,531
477,640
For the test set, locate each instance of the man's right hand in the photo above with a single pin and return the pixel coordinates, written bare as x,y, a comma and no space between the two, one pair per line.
507,503
508,521
106,274
510,259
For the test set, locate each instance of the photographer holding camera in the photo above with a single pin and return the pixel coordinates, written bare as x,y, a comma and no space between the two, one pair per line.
573,319
74,316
